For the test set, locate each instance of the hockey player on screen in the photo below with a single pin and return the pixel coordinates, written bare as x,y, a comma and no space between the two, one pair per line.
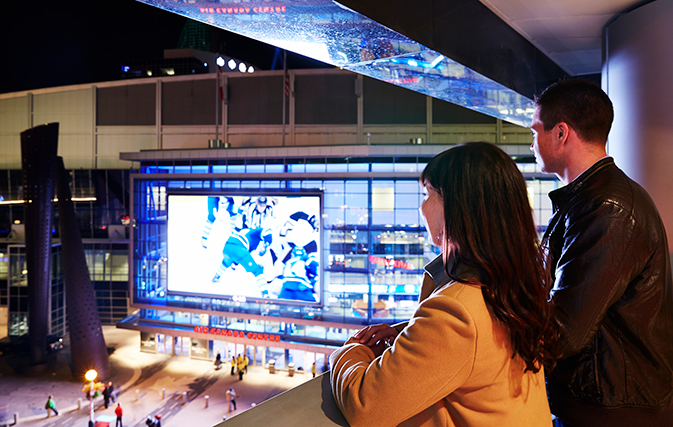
219,208
294,254
300,230
299,276
237,251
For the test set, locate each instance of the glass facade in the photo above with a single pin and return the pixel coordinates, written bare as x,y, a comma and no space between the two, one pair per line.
374,242
17,291
101,199
109,270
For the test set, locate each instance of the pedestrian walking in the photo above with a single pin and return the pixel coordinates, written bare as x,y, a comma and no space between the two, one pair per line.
106,396
119,412
246,361
231,397
218,362
113,392
313,369
233,364
50,406
241,368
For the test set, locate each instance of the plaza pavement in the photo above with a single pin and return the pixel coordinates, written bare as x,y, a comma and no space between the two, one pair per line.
147,373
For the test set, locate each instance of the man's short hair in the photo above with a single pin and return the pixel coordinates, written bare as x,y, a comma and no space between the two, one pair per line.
581,104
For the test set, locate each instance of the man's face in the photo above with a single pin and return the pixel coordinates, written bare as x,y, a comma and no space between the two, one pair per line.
544,145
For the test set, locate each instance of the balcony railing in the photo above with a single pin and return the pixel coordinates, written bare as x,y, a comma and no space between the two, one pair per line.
308,405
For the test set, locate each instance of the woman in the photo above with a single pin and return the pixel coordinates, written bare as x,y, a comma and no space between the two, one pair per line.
473,354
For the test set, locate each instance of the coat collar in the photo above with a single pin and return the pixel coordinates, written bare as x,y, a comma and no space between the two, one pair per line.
465,273
565,193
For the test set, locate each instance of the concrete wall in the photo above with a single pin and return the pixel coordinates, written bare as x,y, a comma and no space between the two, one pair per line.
85,144
637,77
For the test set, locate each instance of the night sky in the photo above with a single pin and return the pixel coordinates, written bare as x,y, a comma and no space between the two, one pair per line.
58,43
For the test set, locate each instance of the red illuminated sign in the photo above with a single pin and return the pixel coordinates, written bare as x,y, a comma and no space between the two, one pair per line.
236,334
390,262
239,10
404,80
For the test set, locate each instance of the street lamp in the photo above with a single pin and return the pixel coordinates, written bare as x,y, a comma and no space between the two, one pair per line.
91,375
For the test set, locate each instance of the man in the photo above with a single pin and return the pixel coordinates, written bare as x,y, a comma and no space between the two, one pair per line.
119,412
107,394
609,260
240,367
231,397
51,406
257,213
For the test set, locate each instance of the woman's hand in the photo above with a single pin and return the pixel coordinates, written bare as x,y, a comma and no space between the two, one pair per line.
377,337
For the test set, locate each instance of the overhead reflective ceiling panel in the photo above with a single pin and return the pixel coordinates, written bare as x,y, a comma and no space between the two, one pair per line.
331,33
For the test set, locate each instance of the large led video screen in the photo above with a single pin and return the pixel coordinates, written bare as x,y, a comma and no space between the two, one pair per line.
257,246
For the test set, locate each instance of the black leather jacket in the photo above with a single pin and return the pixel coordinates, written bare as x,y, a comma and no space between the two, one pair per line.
613,294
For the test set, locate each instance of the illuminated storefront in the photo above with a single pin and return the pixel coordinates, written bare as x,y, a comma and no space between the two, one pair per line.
366,236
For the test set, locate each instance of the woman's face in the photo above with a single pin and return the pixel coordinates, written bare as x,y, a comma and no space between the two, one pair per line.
432,211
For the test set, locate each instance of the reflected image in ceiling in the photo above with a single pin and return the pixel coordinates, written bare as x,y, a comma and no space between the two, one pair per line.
331,33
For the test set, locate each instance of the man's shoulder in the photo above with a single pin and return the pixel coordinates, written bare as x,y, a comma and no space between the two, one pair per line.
608,185
612,186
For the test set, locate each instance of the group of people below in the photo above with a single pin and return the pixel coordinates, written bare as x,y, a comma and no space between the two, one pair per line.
111,394
108,394
510,329
238,364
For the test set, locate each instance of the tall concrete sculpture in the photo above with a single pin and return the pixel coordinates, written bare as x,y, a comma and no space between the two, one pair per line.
38,158
87,343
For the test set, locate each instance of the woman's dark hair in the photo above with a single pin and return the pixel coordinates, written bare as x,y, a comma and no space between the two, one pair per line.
488,225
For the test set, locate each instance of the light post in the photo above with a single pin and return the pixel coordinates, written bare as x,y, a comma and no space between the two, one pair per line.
91,375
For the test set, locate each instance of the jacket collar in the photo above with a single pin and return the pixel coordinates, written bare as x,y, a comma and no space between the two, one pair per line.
463,272
565,193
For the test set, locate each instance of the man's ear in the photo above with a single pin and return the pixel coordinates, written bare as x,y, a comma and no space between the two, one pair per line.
562,131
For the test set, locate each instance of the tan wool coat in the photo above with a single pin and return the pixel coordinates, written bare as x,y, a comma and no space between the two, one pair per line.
451,365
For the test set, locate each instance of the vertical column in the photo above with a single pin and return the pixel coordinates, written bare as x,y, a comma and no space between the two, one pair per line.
637,76
263,356
157,113
498,131
94,125
359,80
87,344
38,157
225,112
292,112
428,120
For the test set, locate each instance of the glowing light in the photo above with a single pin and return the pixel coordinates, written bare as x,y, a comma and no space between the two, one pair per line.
232,64
149,72
434,63
220,61
91,375
251,69
242,67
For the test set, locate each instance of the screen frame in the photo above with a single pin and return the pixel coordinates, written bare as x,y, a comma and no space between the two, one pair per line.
253,193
